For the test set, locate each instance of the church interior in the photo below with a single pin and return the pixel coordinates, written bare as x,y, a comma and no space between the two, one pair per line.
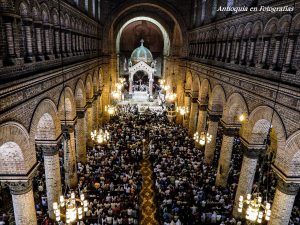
150,112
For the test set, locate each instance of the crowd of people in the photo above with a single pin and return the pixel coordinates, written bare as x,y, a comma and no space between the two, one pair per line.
111,179
185,186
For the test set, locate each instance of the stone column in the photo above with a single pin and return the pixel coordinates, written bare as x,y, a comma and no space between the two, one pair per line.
47,42
130,84
57,42
228,51
95,111
244,51
38,40
252,50
89,122
265,51
63,43
28,41
211,146
237,50
73,36
150,87
201,124
11,55
193,117
223,53
23,202
70,164
246,176
187,103
276,52
288,59
80,136
52,174
225,154
283,202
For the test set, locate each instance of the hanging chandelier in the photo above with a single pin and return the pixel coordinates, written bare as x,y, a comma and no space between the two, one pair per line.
202,138
171,97
101,136
182,110
256,211
110,109
116,94
69,210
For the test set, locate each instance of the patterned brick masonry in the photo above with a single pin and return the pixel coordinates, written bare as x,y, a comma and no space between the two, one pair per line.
23,202
283,202
247,174
211,146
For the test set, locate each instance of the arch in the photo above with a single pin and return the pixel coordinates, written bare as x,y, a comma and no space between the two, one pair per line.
24,9
45,13
95,81
234,107
151,20
55,16
67,21
67,106
36,11
204,92
80,94
217,99
179,24
45,123
248,30
284,23
231,32
89,87
255,130
257,28
289,159
17,153
240,31
271,26
296,22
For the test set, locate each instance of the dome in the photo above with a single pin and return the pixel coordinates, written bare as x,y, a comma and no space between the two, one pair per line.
141,54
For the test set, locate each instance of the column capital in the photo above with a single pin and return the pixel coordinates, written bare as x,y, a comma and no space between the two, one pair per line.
48,149
288,188
202,107
20,187
252,151
80,112
89,102
214,116
230,130
194,100
69,125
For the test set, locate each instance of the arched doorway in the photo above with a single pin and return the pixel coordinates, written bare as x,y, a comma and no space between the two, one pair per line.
141,81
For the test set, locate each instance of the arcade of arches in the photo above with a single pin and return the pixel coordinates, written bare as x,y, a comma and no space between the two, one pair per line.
237,75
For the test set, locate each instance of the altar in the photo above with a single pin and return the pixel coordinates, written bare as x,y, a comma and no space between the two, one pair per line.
140,96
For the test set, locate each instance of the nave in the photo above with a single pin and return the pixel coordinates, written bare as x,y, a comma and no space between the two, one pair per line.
151,172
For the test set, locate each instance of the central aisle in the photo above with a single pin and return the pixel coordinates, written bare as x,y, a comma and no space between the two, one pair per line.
148,208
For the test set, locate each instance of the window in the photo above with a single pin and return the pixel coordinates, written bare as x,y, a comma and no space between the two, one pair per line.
203,10
230,3
99,9
86,5
195,12
214,8
76,1
94,7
